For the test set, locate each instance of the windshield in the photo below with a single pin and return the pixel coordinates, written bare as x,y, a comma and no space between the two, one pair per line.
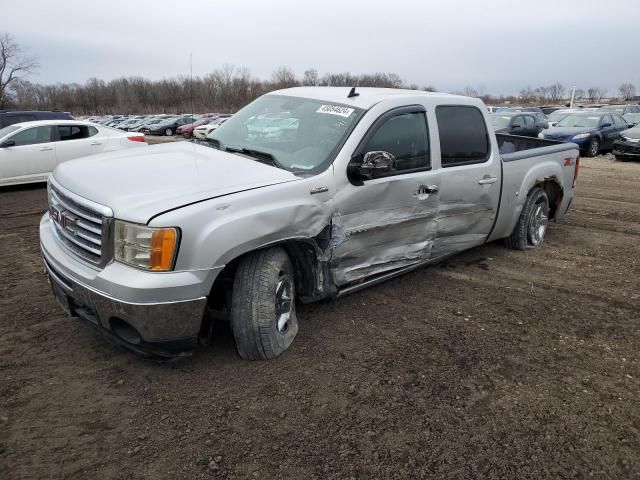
579,121
8,130
300,134
557,115
500,121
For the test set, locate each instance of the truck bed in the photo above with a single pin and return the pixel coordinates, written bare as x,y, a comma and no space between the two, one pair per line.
527,162
508,144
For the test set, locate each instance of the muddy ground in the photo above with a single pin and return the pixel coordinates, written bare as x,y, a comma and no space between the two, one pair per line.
497,364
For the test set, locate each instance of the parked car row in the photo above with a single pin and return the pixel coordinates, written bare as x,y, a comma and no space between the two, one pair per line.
157,124
592,129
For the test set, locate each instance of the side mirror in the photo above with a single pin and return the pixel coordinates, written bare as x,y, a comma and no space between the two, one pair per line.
374,164
605,125
8,143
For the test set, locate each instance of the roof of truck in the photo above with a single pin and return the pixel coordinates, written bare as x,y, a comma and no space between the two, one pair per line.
367,96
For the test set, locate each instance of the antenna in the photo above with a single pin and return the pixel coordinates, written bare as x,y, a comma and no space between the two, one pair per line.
353,93
191,82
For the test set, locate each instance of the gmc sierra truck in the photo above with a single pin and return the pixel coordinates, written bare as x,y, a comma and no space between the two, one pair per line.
306,193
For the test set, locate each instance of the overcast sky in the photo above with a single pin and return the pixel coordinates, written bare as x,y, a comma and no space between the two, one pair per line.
495,46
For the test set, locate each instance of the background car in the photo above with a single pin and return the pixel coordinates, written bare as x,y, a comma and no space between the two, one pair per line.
29,151
9,118
187,130
202,131
627,146
168,126
621,109
632,119
592,131
518,123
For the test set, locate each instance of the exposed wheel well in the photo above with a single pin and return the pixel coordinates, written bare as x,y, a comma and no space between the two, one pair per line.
309,279
554,192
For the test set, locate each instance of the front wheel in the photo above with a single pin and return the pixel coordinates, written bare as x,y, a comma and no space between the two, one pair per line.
532,225
263,313
594,147
168,132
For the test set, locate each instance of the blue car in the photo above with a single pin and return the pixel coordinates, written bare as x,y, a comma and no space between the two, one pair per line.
592,131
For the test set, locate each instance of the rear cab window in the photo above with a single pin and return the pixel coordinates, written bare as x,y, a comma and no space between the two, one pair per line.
464,138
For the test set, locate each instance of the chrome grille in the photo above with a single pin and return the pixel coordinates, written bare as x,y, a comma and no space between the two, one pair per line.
82,226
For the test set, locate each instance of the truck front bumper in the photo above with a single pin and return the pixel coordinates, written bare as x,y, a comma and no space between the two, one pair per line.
159,328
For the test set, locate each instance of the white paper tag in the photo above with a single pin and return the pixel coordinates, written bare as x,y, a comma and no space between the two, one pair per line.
335,110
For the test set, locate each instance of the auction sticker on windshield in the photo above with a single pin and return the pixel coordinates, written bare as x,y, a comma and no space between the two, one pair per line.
335,110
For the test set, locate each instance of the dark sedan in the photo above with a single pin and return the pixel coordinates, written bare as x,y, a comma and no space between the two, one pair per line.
167,127
518,123
591,131
627,147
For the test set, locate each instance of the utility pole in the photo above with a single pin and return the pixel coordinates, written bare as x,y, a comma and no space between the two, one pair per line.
573,94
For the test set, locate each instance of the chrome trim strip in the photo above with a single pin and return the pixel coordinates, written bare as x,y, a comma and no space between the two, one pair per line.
81,201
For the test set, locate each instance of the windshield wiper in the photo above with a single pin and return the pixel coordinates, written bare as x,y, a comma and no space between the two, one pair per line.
262,157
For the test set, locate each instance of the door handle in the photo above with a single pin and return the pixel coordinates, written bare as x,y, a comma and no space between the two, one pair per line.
95,143
46,149
487,179
425,190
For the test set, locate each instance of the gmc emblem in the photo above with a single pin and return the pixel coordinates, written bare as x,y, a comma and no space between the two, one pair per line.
56,216
66,220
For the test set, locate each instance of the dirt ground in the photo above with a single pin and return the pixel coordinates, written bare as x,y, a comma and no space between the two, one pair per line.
496,364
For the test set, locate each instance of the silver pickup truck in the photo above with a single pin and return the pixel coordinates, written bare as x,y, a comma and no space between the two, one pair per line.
304,194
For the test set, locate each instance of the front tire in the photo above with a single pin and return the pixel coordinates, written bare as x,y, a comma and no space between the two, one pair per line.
263,314
532,225
594,148
168,132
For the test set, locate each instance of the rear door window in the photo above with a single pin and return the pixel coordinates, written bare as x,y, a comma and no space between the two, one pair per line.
33,136
73,132
463,135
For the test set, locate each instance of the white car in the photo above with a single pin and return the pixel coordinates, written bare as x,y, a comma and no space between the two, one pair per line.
202,131
29,151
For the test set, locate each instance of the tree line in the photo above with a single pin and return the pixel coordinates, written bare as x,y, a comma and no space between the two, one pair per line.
224,90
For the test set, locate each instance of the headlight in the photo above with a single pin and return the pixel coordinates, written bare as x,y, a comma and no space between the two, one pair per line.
145,247
632,140
541,135
581,136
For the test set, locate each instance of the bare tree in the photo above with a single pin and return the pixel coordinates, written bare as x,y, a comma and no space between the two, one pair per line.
470,91
627,91
594,94
527,94
556,92
311,77
542,94
14,65
284,77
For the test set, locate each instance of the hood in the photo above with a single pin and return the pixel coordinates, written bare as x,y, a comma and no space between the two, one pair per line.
568,131
142,182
